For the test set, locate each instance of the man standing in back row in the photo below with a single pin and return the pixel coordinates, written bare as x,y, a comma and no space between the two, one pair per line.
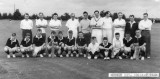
145,26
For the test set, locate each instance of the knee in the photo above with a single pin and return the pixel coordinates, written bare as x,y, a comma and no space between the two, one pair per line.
6,49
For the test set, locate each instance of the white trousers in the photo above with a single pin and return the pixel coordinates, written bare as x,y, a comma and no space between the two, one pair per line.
98,34
37,49
121,32
108,33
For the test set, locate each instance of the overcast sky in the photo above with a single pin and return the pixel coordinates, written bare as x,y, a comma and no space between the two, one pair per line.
136,7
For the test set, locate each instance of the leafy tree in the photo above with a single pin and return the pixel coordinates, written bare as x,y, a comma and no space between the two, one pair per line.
4,16
17,15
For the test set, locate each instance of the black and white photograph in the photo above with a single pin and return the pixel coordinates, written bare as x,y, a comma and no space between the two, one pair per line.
79,39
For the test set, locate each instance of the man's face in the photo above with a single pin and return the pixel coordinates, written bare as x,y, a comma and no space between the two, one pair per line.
145,17
26,16
53,34
80,34
85,15
108,15
117,37
60,35
138,33
105,41
41,16
96,14
131,19
94,40
120,16
55,16
70,34
127,36
13,38
72,15
39,33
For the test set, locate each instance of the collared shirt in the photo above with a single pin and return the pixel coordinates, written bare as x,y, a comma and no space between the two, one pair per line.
70,41
145,25
55,24
81,41
127,43
38,41
73,24
131,23
140,40
61,40
26,24
84,25
117,43
26,43
13,43
119,22
96,21
108,45
107,23
93,47
40,22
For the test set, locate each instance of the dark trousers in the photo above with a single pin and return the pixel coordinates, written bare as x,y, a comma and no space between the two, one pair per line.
87,36
24,32
102,52
93,54
147,35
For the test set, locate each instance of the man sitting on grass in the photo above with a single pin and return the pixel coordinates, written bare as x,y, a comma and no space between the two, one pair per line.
117,47
70,44
61,44
39,44
12,46
26,46
106,48
93,49
139,44
81,45
52,43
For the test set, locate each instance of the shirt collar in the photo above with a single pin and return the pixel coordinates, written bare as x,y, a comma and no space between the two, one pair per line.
60,38
38,37
129,39
26,39
104,44
132,22
51,37
139,36
70,38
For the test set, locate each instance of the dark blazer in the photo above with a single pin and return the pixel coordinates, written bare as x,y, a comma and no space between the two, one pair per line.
132,29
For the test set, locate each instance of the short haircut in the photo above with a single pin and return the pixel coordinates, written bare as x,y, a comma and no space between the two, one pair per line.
106,13
93,37
53,32
117,34
26,14
120,13
70,32
131,16
28,34
85,12
145,14
54,14
96,11
105,38
13,34
39,30
60,32
40,13
80,32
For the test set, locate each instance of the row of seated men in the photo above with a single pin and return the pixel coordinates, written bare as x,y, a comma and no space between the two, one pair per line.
59,46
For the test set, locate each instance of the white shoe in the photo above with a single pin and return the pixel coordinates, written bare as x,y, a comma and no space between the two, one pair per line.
27,56
95,57
49,55
22,56
8,56
41,55
67,55
13,56
148,57
85,55
120,57
71,55
77,55
131,58
107,58
61,56
89,57
142,58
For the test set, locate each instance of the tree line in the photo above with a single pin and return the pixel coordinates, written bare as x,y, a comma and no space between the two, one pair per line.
18,16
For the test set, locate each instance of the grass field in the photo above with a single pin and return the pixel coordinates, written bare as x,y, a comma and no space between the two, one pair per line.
72,68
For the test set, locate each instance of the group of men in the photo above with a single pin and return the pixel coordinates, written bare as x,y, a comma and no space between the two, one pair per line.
100,37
